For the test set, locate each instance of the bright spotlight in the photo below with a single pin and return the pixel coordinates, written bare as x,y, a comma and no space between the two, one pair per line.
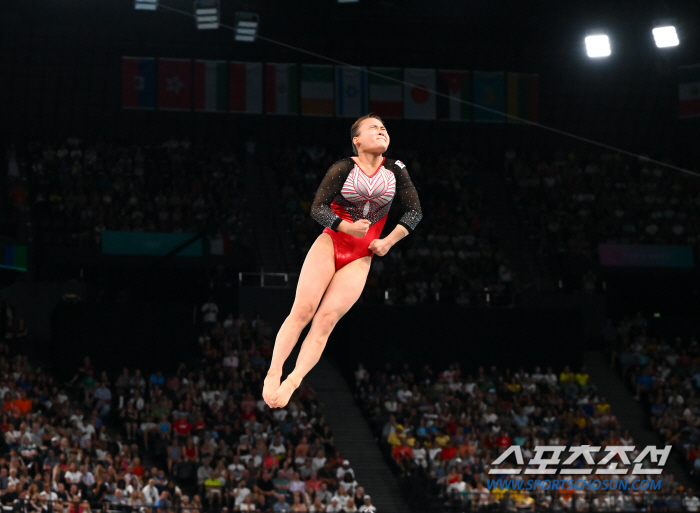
207,14
246,27
145,5
598,45
665,36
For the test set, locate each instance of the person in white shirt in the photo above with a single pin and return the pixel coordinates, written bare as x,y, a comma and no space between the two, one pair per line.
691,502
360,373
247,504
367,507
240,493
210,311
348,483
391,404
318,461
350,506
296,484
277,445
231,360
150,493
403,394
420,456
345,467
236,468
334,506
73,476
455,489
47,494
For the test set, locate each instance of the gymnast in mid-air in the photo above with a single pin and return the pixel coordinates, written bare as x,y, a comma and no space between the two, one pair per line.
352,203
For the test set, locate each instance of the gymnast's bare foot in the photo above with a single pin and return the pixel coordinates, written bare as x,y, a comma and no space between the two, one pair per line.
281,396
270,386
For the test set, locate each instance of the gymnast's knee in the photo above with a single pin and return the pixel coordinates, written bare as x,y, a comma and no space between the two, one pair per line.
326,321
301,313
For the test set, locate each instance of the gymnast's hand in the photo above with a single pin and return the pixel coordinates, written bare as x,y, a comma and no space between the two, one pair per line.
358,228
380,247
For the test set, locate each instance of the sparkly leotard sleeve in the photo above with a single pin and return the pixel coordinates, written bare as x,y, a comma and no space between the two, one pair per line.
412,213
327,192
349,194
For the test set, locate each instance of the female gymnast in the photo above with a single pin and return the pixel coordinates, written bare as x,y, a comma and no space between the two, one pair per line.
352,203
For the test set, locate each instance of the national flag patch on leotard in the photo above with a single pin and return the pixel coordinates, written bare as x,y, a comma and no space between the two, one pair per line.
400,164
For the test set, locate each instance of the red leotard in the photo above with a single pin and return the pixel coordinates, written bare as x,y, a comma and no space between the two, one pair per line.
348,248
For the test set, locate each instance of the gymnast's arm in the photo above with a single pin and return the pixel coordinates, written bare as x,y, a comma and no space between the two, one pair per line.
412,214
408,196
330,187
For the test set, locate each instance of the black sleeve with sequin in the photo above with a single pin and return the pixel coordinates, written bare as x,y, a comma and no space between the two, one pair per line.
328,190
405,190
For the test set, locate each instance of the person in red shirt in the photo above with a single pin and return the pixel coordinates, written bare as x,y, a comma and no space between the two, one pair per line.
449,452
182,427
503,440
453,476
191,451
248,414
451,426
402,452
199,425
313,483
138,468
270,461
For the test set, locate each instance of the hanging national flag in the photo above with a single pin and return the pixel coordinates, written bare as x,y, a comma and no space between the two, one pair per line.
174,84
522,96
350,92
689,91
281,89
246,87
385,92
458,86
418,93
490,92
211,86
138,83
317,90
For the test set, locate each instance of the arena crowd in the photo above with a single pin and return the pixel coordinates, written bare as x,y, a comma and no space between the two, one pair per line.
662,368
198,439
76,190
444,430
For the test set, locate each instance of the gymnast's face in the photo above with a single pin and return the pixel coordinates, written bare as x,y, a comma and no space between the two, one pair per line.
372,137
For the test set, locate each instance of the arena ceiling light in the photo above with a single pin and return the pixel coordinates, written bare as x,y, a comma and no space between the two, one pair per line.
246,27
598,45
145,5
665,36
206,14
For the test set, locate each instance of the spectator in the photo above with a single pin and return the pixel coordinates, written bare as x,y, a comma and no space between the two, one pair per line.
367,507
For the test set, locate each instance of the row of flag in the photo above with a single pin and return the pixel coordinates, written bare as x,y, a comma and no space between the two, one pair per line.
323,90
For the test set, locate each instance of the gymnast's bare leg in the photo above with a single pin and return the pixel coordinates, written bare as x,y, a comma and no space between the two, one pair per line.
316,273
344,290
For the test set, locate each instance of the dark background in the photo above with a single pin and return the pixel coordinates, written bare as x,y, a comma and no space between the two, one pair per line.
61,63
